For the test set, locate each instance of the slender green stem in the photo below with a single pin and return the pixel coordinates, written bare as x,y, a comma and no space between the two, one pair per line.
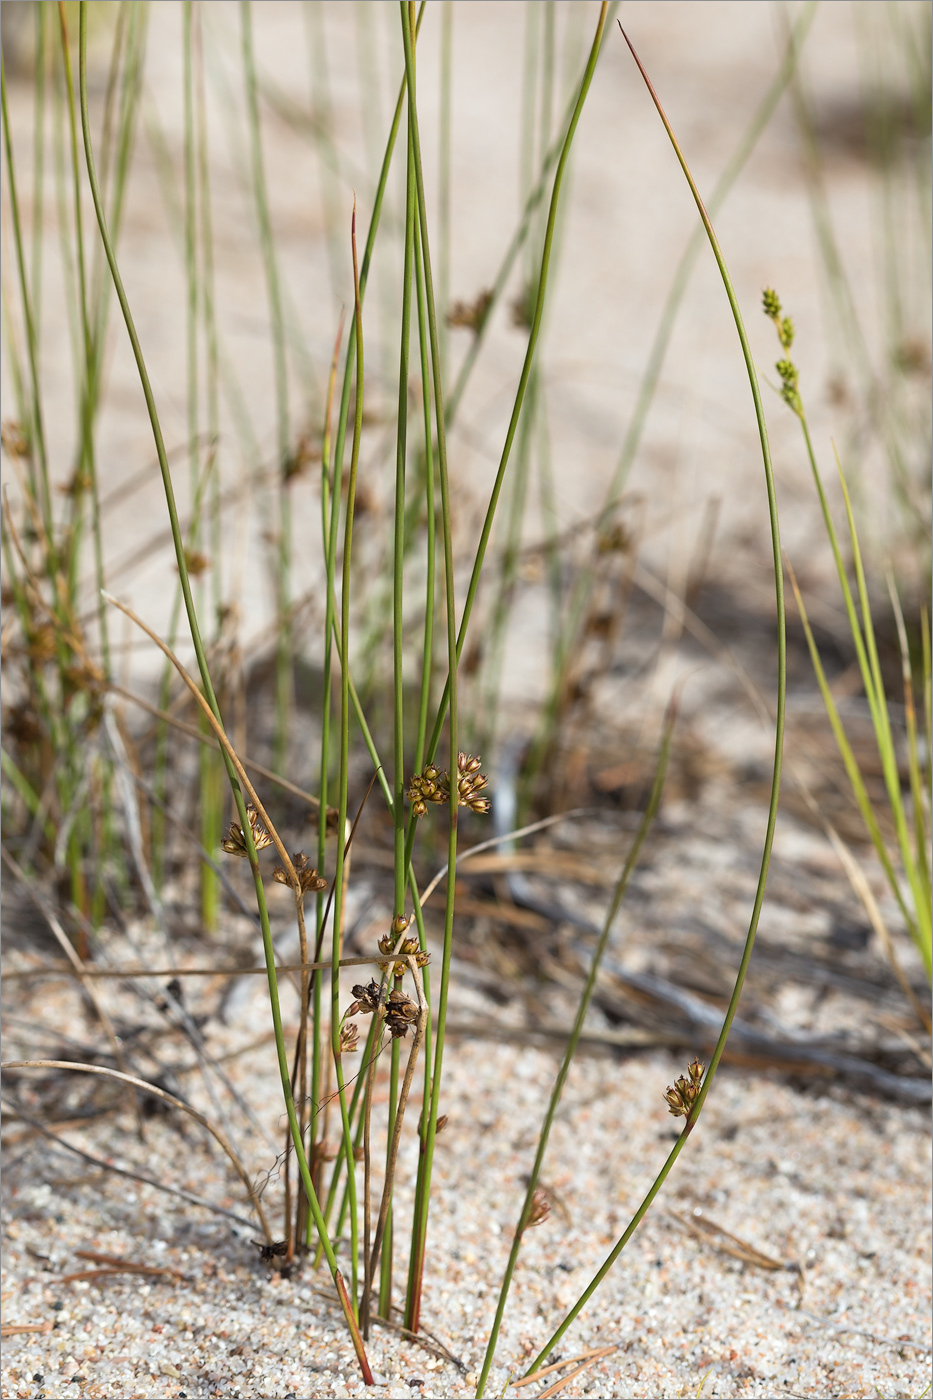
43,496
268,948
398,561
88,388
398,556
526,366
566,649
386,1259
85,481
418,1243
345,751
427,650
38,170
191,256
732,1008
283,669
211,769
443,184
330,497
586,998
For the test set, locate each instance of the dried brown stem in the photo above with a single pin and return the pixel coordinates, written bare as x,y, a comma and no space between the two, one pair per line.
373,1260
215,725
80,972
105,1166
152,1089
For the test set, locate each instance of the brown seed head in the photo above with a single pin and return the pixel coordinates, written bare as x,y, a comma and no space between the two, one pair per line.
13,439
540,1207
349,1038
683,1094
367,999
470,315
235,842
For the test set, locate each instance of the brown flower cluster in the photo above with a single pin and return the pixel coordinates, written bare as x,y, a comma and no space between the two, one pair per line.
410,947
349,1039
400,1011
309,881
540,1207
235,842
470,315
434,786
683,1095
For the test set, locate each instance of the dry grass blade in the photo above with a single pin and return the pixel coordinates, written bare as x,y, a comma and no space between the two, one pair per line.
12,1329
147,1088
105,1166
862,888
587,1356
423,1338
528,1035
77,965
192,732
58,969
115,1261
898,1343
417,1038
215,725
562,1384
724,1240
474,851
116,1271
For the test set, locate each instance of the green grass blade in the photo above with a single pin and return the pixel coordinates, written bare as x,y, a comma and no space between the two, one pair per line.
528,361
778,750
268,948
42,495
586,997
853,771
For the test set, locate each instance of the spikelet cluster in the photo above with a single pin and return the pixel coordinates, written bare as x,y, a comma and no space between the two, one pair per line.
434,786
234,842
309,881
771,305
400,1011
682,1095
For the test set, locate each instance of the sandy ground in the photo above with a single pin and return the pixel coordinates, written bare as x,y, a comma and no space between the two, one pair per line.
832,1187
828,1181
629,218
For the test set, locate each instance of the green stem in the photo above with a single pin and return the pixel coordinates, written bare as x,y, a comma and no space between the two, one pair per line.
398,558
43,497
268,948
283,668
586,998
710,1075
418,1242
526,367
345,752
88,389
427,651
579,602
